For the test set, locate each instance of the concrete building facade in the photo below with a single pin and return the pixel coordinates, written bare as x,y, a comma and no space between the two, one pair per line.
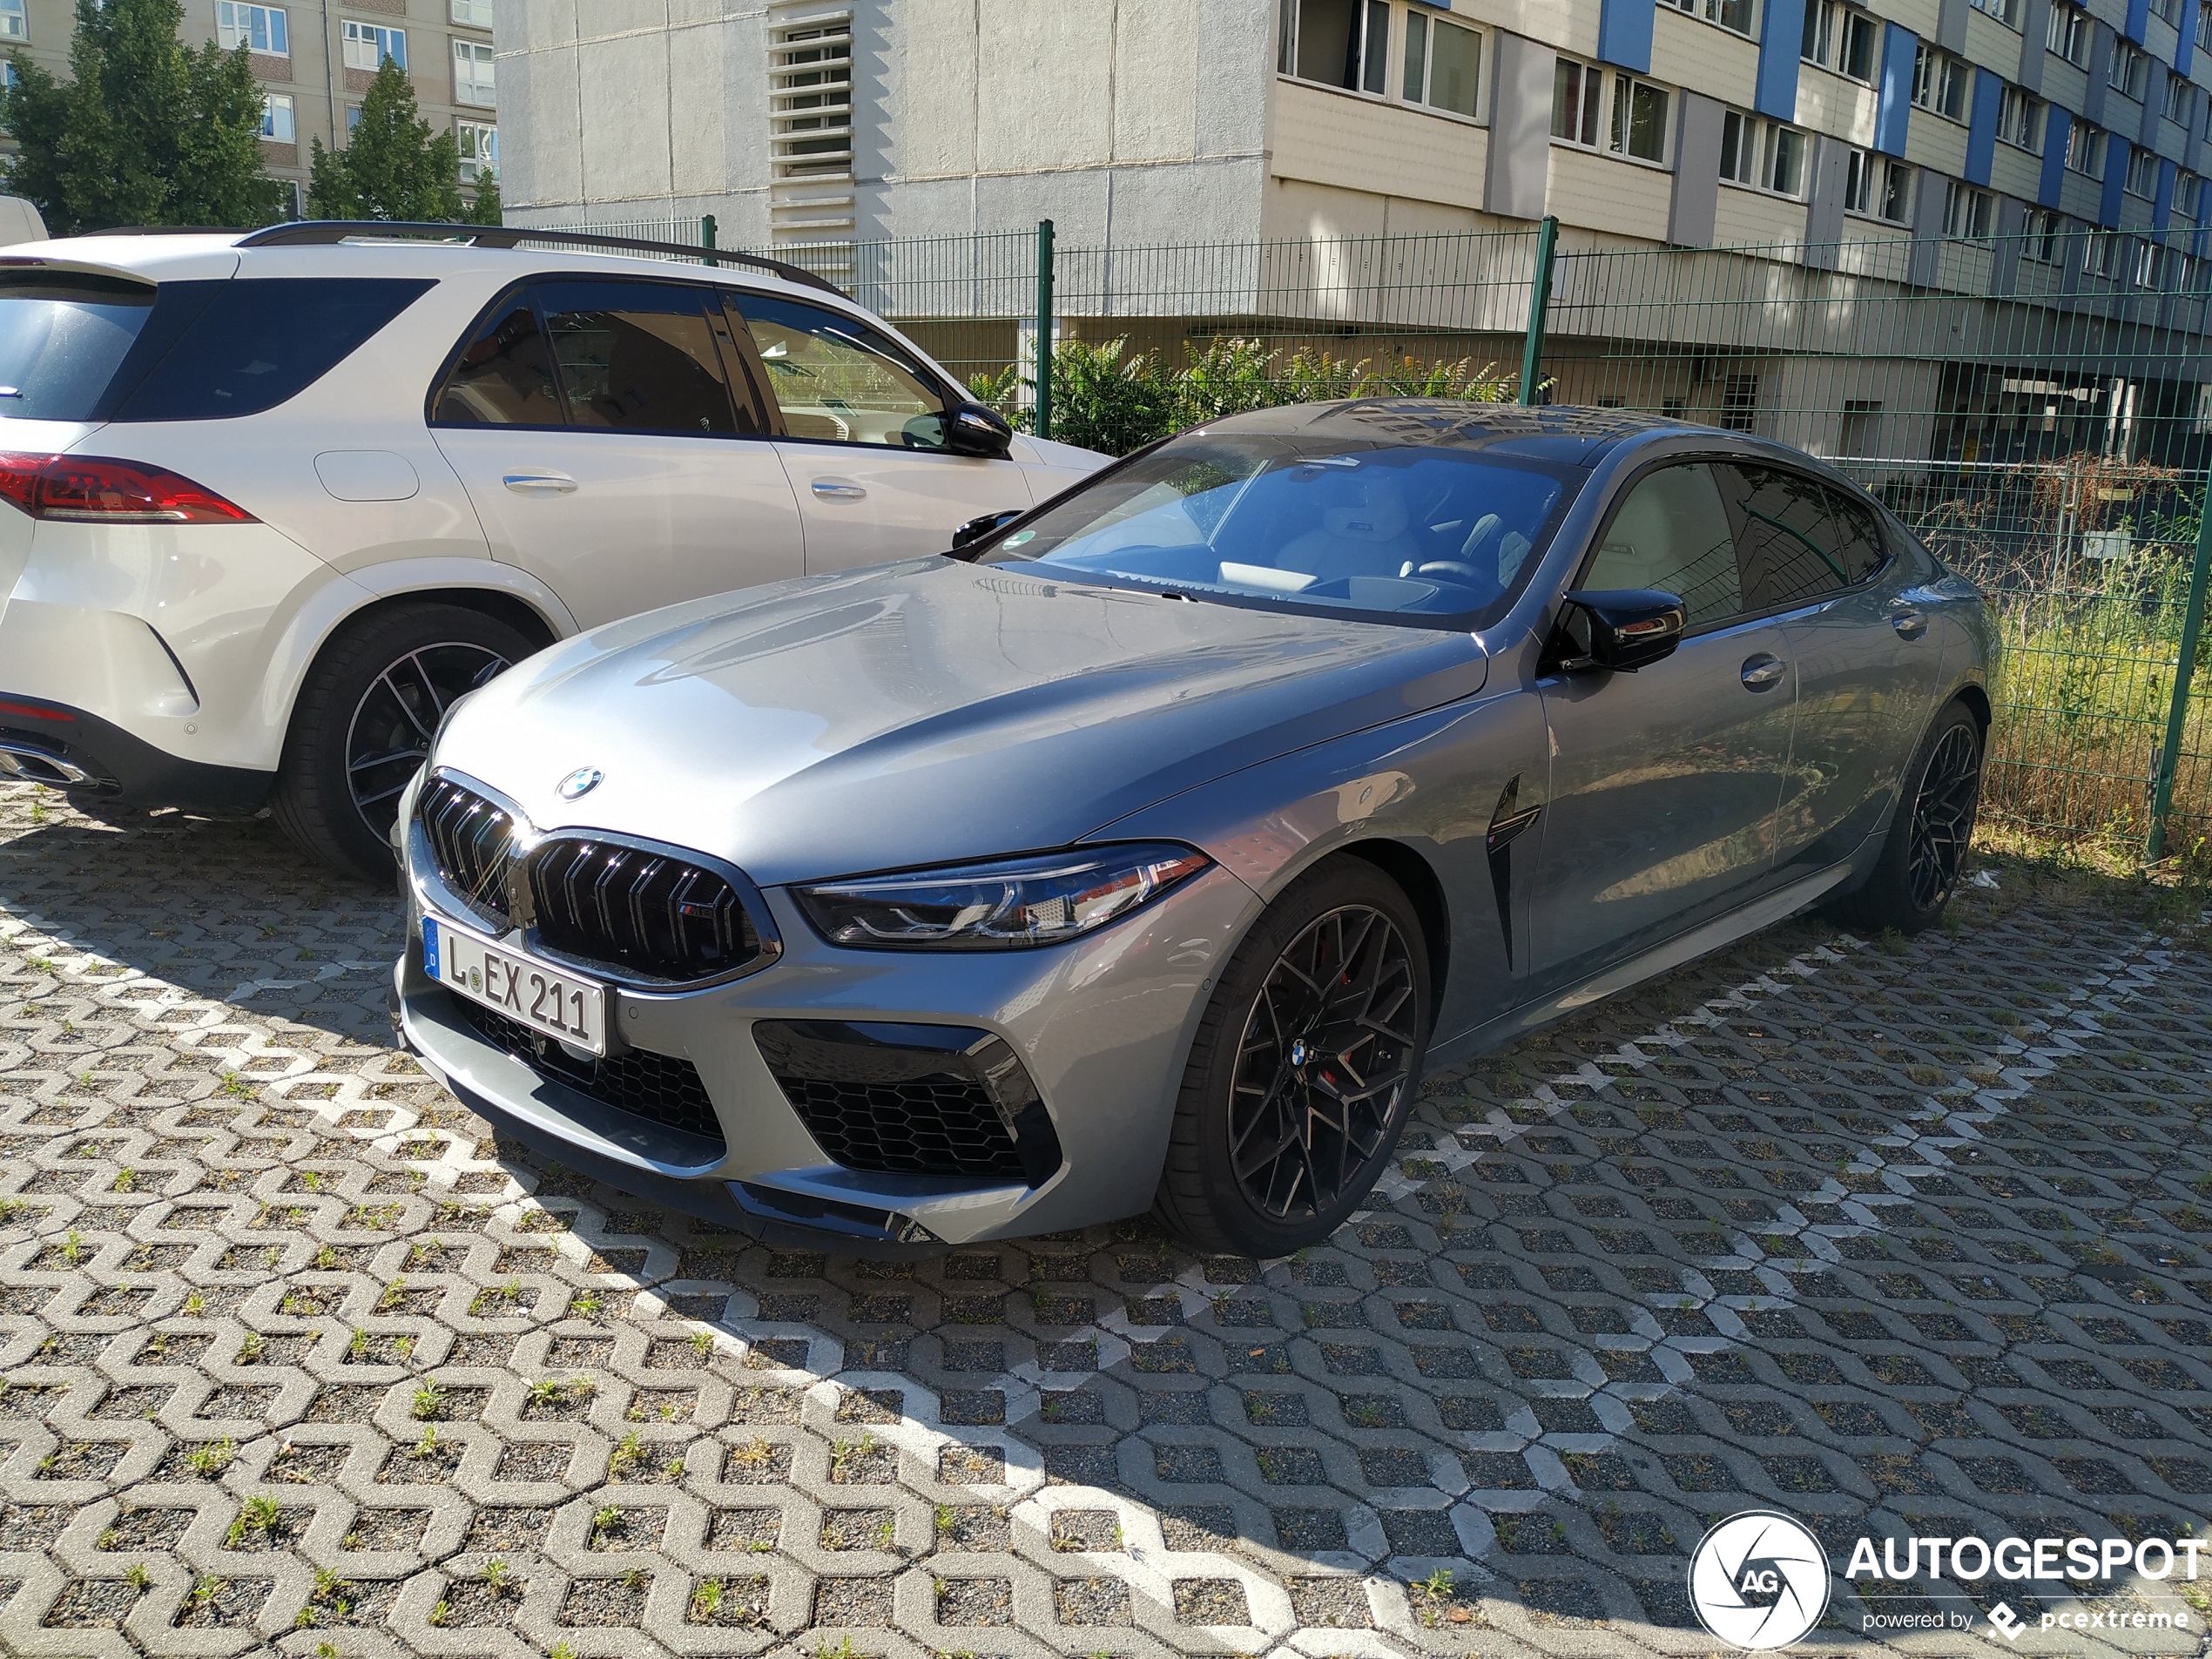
315,58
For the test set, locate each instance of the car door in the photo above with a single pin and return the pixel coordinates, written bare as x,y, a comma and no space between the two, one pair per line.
1867,661
1665,782
613,445
862,438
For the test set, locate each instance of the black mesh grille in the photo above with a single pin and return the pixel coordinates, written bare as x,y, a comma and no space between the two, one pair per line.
470,842
648,912
945,1127
657,1087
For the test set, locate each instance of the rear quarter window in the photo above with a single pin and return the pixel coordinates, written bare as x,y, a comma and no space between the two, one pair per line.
63,338
217,350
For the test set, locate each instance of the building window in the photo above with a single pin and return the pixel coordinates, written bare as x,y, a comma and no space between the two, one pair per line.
2102,256
1862,426
1337,42
475,13
1840,37
2180,100
1969,215
2204,28
2150,265
810,100
2142,172
353,118
472,76
367,44
2068,34
1878,187
1739,402
1764,155
259,29
479,142
2189,194
14,24
2020,119
1729,14
2129,70
1443,63
2006,12
276,118
2168,9
1577,90
1639,119
2044,240
1939,81
2084,149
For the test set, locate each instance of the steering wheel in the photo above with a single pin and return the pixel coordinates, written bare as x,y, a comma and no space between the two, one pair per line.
1453,570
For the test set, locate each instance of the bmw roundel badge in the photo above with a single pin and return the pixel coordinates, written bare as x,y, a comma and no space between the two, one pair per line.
580,782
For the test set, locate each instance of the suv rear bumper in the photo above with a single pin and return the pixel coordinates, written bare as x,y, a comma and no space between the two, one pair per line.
68,748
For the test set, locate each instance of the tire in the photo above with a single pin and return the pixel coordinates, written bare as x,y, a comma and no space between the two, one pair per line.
1918,868
1316,1172
364,721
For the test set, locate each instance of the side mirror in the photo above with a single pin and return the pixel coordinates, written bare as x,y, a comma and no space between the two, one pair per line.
969,539
977,429
1619,630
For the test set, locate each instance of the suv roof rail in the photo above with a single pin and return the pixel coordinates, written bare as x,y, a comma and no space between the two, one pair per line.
328,233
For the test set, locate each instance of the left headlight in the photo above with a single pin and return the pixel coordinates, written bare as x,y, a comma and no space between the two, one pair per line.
1008,905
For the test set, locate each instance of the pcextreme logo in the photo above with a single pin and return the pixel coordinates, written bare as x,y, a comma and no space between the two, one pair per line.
1760,1581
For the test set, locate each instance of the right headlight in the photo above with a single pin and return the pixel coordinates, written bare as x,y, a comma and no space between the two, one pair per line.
1011,905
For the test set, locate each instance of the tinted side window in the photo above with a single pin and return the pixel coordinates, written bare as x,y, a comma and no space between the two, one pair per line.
639,357
504,376
1858,538
835,377
1672,534
1790,534
257,341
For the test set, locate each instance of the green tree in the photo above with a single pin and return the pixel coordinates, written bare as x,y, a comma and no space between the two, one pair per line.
146,131
393,166
485,210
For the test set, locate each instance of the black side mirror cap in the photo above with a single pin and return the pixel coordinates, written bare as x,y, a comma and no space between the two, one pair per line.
969,539
978,429
1617,630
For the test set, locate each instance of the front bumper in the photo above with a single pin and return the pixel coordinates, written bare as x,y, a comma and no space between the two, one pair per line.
1103,1025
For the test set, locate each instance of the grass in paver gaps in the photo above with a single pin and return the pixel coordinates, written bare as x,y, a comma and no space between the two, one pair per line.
737,1602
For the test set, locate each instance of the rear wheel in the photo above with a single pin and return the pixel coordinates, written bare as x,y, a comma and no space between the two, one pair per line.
365,719
1304,1069
1926,850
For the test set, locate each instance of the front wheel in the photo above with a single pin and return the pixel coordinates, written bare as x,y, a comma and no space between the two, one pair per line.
1926,850
1304,1069
365,719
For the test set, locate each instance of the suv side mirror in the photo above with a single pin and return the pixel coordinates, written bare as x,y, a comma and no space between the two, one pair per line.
1619,630
969,539
963,429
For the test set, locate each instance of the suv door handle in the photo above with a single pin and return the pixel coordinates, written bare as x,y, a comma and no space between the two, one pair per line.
540,483
1909,623
838,490
1763,672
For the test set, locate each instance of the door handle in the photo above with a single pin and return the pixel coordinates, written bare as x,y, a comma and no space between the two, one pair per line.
540,483
1910,624
837,489
1763,672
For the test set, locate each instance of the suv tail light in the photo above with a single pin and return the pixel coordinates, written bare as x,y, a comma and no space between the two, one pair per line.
92,488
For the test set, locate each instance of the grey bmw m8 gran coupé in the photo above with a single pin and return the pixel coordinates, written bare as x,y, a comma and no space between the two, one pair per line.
1141,852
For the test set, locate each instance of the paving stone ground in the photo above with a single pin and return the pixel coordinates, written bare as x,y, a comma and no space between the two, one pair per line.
297,1357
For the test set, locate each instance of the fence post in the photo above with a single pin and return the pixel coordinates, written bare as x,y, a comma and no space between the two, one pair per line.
1540,301
1044,327
2178,713
706,235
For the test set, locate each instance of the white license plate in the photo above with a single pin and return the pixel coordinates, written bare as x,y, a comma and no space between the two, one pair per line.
560,1004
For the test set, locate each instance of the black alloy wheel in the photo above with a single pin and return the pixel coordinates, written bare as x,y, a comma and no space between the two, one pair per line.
1942,816
389,736
1326,1053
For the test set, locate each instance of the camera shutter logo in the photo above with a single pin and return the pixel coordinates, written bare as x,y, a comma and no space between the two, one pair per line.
1759,1580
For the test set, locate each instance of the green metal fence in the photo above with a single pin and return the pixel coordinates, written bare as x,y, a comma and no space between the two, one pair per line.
2039,408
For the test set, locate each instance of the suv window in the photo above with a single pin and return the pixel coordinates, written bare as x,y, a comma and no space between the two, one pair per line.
244,345
504,375
640,357
834,377
1798,538
1672,534
62,338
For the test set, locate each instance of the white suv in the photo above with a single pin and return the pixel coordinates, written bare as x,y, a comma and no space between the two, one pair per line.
275,500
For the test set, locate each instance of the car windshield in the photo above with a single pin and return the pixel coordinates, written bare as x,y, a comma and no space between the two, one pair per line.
1299,519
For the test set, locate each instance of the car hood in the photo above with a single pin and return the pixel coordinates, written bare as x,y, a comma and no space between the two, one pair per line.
926,712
